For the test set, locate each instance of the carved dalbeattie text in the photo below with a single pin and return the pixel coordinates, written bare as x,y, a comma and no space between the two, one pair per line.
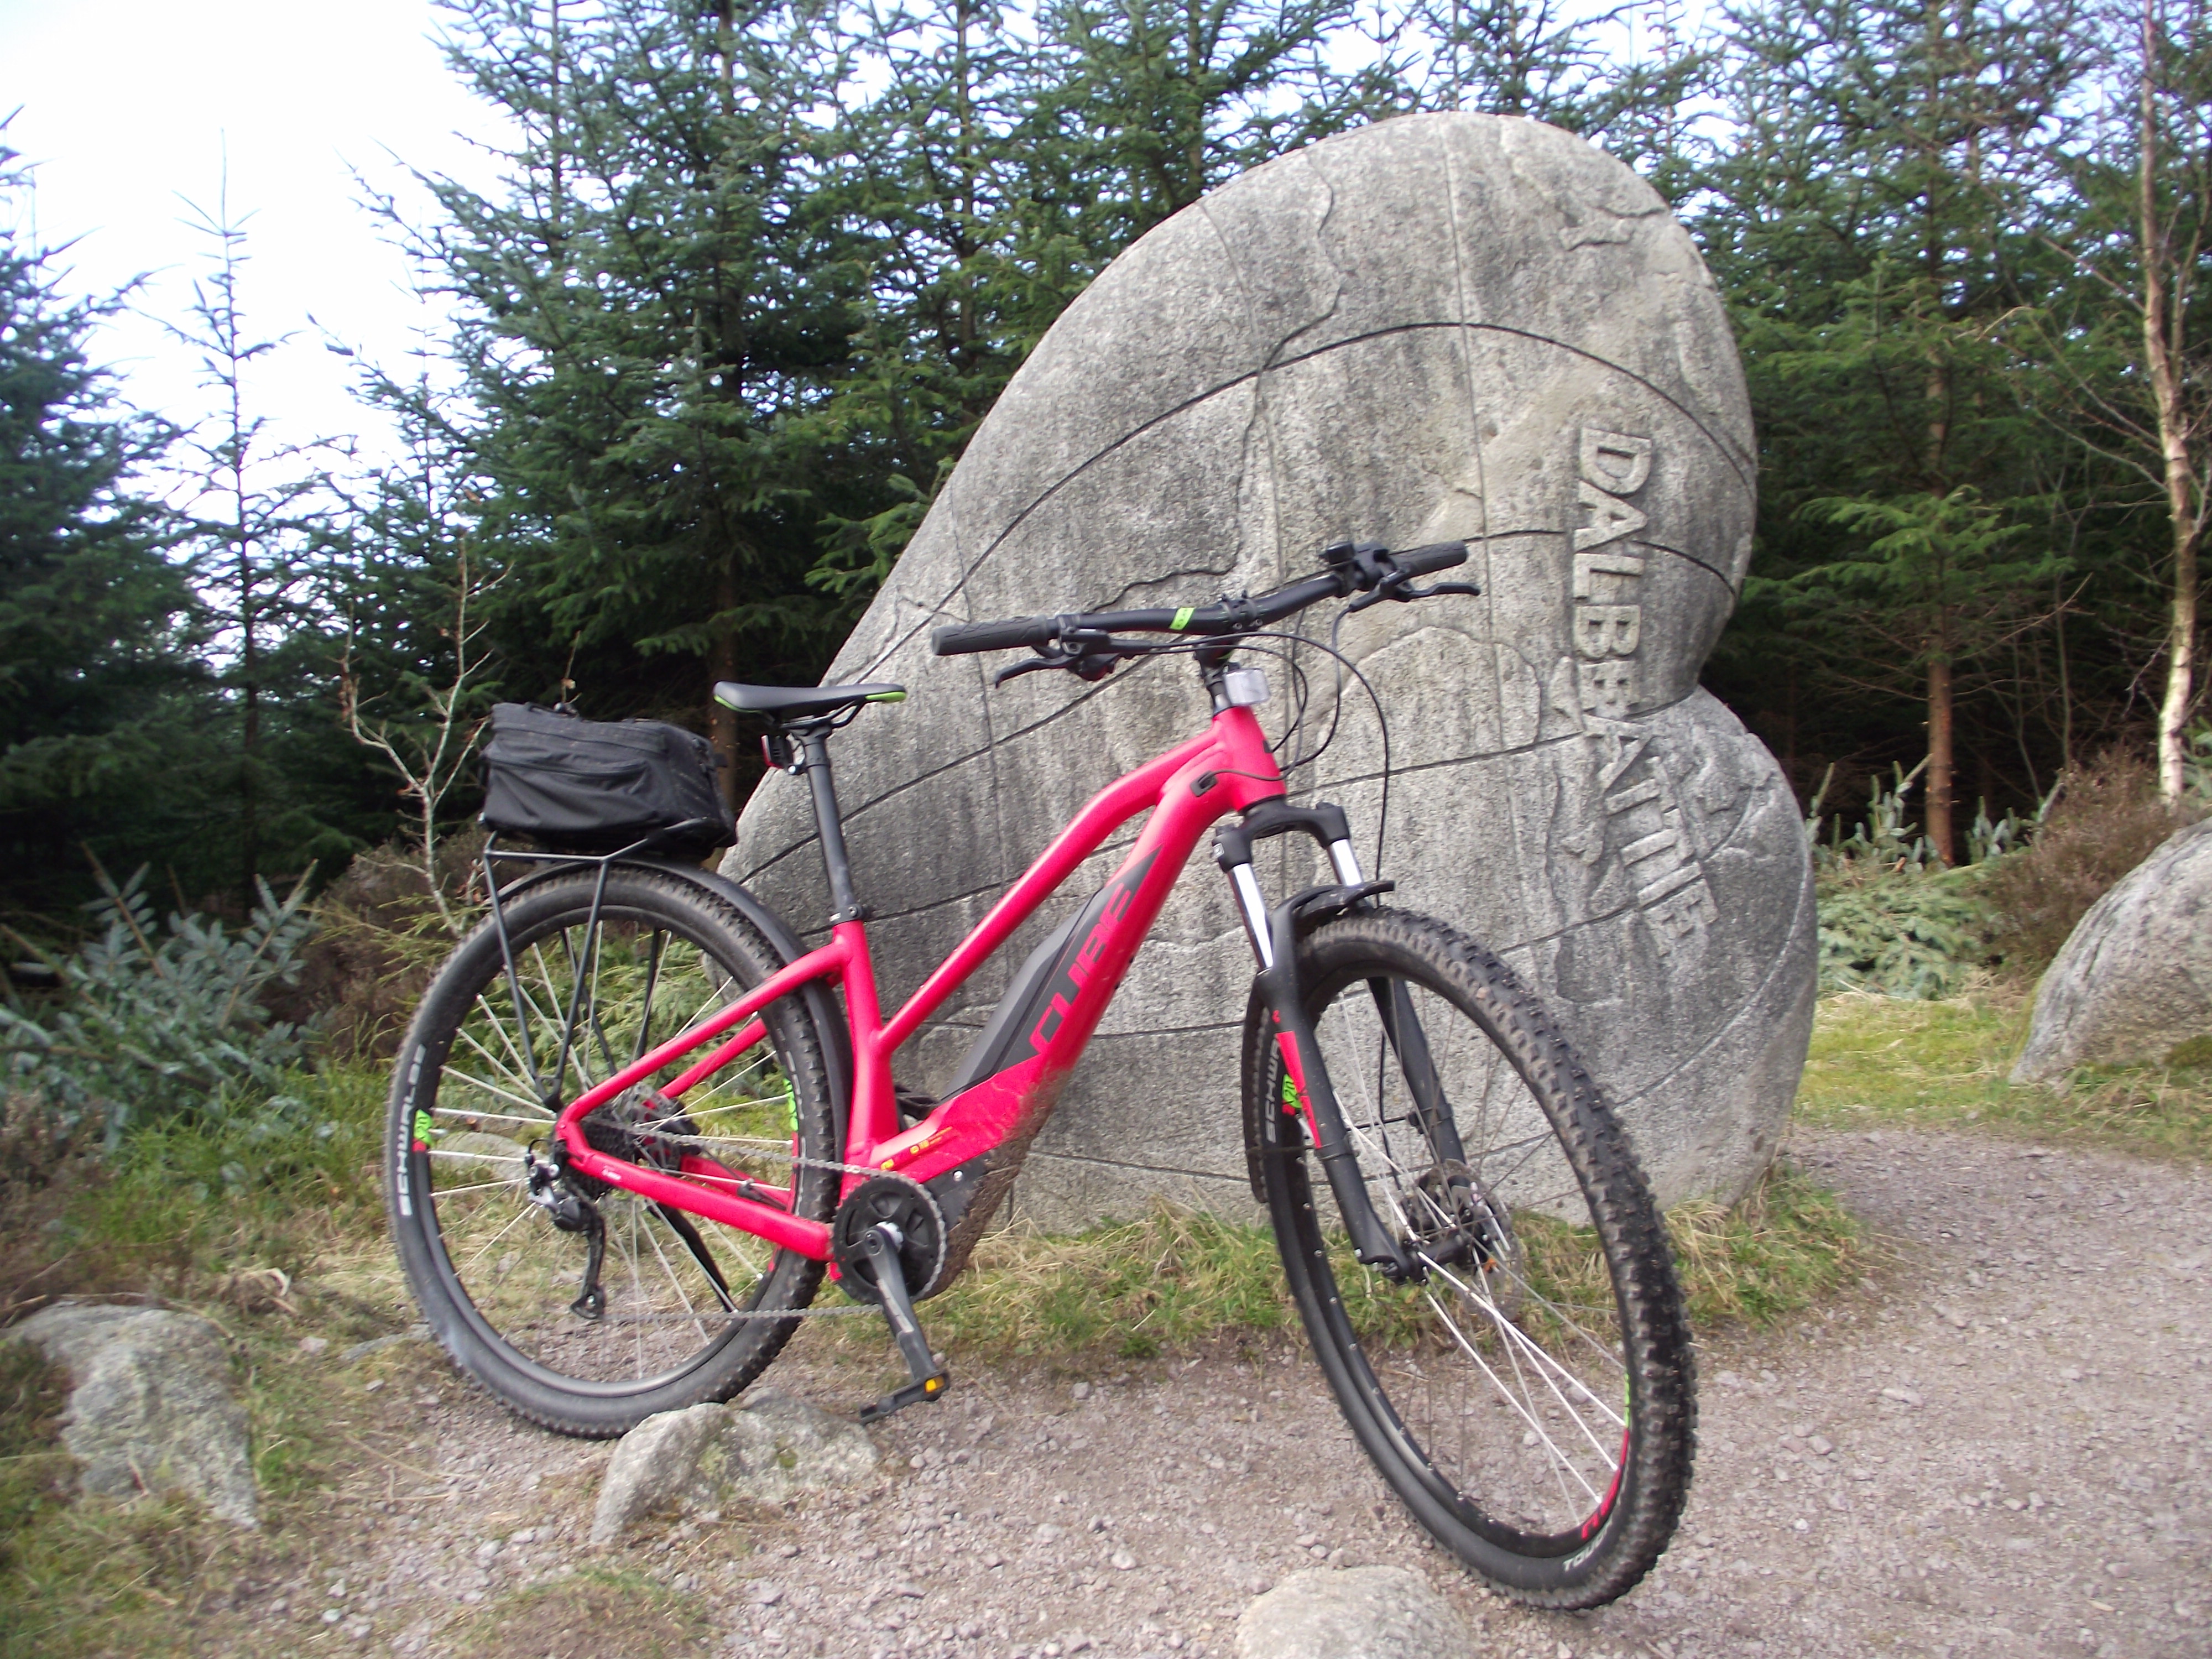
1658,850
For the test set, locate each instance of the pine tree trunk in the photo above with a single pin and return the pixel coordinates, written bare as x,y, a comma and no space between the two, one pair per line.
1941,762
249,662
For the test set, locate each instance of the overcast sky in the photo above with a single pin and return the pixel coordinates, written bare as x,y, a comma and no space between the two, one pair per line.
127,110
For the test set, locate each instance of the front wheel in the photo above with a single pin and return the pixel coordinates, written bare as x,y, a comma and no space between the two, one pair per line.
1530,1395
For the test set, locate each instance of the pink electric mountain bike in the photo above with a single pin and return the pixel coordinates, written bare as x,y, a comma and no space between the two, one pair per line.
631,1129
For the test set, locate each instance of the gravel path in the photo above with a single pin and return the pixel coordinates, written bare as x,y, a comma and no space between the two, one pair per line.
2000,1450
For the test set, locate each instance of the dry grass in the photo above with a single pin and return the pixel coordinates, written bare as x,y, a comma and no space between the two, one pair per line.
1878,1061
1788,1244
595,1613
1178,1280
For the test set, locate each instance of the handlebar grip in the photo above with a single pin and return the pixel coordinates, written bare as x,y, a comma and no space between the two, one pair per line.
1437,555
962,639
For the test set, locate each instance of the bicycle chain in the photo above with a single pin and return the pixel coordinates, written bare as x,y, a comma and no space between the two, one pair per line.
780,1149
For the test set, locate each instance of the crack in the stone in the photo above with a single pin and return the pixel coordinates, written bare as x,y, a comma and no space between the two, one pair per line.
1720,440
1239,1179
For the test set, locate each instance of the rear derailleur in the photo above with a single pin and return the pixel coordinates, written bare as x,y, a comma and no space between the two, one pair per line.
554,1187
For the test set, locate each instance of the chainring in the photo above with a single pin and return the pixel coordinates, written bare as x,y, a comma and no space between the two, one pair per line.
908,1207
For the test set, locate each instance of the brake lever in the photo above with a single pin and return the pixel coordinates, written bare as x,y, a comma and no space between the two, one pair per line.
1089,665
1399,587
1021,668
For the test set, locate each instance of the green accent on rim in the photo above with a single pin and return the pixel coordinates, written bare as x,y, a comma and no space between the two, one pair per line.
1182,619
1290,1094
888,696
422,1124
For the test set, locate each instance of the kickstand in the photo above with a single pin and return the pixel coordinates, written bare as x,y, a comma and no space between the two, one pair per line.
880,1245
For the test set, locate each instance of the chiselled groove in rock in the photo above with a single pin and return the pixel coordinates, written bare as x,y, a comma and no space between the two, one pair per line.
853,810
1475,399
1719,441
1781,968
1568,792
1229,250
1746,467
1239,1176
1412,768
1711,569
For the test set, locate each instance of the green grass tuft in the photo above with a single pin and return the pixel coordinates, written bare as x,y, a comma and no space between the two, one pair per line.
1178,1280
1878,1061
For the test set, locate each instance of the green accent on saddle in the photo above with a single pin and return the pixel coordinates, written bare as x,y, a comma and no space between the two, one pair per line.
1182,619
888,696
423,1126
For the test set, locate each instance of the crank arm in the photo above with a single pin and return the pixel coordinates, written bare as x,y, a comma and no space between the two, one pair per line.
889,1274
592,1302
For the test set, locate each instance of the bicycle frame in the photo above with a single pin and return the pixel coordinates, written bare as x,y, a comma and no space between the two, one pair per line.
1186,791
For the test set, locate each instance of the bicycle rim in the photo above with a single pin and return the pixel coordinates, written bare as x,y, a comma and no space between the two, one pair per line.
584,999
1515,1396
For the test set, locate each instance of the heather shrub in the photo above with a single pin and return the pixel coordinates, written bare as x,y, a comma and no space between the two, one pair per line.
2103,819
378,937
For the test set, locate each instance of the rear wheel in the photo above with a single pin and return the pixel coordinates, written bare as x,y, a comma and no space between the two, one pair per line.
680,1309
1531,1397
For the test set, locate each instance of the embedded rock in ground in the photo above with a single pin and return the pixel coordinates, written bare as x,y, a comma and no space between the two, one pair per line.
1445,326
152,1406
766,1447
2133,980
1365,1612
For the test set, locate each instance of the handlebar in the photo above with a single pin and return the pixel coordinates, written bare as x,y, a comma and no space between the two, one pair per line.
1367,569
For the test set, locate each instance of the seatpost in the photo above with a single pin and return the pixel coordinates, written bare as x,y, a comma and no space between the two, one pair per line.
814,760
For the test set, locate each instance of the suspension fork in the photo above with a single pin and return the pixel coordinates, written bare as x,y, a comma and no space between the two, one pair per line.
1273,933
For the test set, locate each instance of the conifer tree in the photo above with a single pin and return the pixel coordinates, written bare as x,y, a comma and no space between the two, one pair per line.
1875,218
654,310
256,528
95,622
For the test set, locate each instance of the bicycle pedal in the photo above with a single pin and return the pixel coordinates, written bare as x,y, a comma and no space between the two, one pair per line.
929,1388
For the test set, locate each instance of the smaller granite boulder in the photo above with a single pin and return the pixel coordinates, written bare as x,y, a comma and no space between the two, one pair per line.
152,1406
766,1447
1365,1612
2133,980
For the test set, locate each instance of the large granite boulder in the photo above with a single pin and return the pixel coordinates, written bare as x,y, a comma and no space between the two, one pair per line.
1445,325
2133,980
153,1406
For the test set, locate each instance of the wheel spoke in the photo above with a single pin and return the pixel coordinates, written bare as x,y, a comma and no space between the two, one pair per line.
1503,1369
662,959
